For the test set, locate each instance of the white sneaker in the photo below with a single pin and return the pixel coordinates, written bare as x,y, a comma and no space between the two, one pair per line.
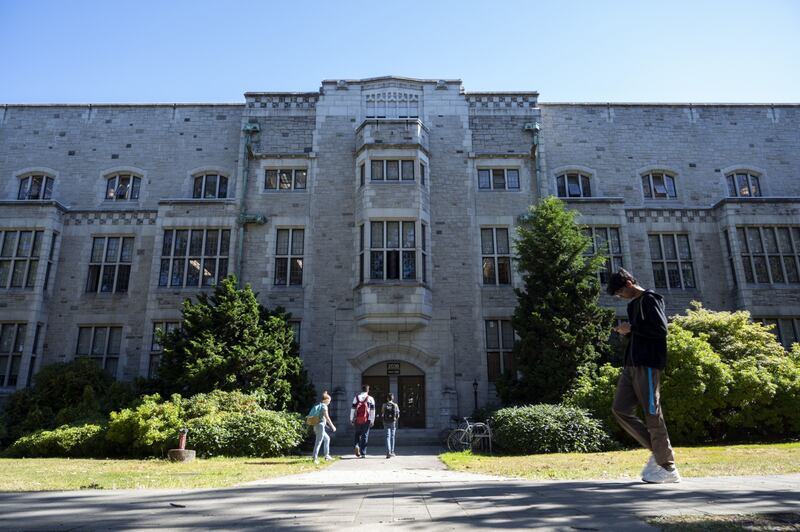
316,461
329,457
659,475
651,463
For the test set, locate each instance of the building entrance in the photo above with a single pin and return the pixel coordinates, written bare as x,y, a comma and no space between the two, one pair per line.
406,382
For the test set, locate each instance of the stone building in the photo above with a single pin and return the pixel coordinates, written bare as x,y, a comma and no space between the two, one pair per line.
380,213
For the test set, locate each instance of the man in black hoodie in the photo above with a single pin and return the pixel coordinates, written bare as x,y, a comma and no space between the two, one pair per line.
640,381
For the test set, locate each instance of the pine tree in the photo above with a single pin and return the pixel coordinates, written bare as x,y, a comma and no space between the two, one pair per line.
228,341
558,319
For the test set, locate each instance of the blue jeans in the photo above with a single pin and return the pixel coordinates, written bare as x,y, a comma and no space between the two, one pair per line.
322,440
390,433
362,437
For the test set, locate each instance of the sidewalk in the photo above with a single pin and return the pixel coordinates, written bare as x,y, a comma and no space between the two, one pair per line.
412,491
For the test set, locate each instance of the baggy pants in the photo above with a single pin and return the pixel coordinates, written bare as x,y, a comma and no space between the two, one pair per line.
640,386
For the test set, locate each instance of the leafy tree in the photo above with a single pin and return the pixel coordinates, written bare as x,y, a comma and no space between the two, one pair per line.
229,342
558,319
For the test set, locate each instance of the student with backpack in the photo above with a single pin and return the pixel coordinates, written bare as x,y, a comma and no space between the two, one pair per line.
390,414
318,417
362,416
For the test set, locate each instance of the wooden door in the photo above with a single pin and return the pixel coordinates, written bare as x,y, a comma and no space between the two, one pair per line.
412,401
378,388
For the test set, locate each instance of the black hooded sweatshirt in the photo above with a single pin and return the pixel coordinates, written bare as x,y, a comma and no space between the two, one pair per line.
647,341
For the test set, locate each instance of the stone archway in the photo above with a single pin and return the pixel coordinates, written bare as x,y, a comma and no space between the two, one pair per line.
409,373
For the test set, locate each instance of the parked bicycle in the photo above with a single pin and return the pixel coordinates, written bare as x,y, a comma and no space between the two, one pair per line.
470,436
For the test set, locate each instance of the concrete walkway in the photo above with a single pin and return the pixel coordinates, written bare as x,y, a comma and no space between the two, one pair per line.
412,491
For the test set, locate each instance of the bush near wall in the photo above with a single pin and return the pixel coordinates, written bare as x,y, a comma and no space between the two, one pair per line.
83,441
220,423
727,378
546,428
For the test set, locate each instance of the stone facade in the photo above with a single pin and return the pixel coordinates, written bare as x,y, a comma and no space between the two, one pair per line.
434,177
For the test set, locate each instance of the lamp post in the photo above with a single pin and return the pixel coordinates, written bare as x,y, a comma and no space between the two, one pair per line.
475,392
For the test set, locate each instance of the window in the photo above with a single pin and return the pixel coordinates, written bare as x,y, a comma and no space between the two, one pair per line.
19,258
35,187
295,326
289,257
53,239
392,170
362,172
12,342
498,178
424,246
658,185
286,179
605,240
422,169
194,257
393,250
787,329
770,254
361,254
120,187
155,347
672,261
210,186
100,344
730,257
110,264
573,185
496,255
743,184
34,352
499,342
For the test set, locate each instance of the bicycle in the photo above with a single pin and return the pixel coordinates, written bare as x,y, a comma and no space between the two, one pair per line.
470,436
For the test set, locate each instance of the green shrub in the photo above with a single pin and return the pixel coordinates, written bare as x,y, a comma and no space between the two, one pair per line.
262,433
546,428
594,391
694,389
203,404
67,441
64,393
150,428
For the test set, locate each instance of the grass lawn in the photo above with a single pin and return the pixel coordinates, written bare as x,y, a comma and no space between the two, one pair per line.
766,459
38,474
725,523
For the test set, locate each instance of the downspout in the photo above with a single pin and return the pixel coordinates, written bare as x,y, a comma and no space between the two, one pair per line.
244,218
535,128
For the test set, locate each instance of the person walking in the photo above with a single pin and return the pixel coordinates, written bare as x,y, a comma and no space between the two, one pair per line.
640,381
390,414
362,416
322,439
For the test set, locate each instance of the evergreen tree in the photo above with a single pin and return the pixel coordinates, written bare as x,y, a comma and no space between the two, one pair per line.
558,319
228,341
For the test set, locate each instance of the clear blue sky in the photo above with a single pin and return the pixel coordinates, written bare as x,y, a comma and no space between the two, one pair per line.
568,50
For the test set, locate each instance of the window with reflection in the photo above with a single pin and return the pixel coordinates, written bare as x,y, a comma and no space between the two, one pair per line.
743,184
210,186
573,185
35,187
194,257
123,187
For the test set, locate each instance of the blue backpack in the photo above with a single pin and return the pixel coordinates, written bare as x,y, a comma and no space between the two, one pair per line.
314,416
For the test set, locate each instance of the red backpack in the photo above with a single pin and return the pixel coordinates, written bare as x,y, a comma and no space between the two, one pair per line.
362,411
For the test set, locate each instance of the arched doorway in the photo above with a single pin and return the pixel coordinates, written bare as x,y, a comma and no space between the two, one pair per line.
406,382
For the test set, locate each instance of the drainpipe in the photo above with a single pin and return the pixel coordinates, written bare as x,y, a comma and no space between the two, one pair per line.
535,128
244,218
